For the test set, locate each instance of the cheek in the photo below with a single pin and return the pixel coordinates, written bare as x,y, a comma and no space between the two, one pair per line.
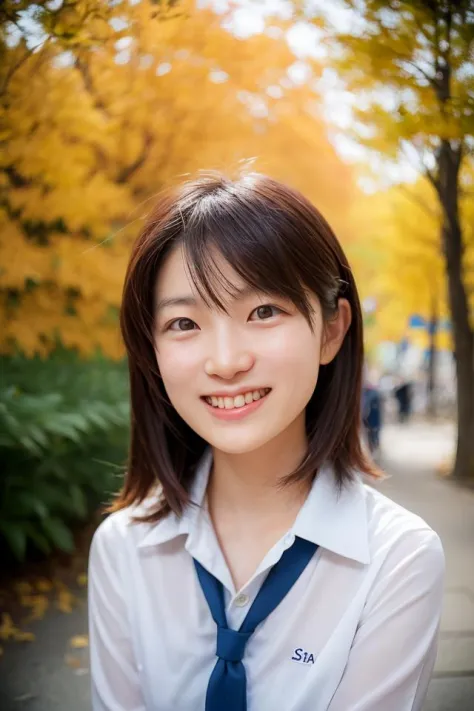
177,365
295,350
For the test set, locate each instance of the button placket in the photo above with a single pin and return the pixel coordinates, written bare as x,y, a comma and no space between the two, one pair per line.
242,600
239,605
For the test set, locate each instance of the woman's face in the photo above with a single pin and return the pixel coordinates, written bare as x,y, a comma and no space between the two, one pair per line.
239,379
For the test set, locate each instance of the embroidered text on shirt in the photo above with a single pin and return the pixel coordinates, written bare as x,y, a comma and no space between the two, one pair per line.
299,655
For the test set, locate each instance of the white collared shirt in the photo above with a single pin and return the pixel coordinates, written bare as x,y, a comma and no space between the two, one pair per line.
357,632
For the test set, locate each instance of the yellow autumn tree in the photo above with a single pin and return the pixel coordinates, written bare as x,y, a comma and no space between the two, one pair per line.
102,104
398,258
408,65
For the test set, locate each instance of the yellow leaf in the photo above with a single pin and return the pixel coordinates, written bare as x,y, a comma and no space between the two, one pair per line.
82,579
24,636
7,628
38,604
44,585
79,642
65,601
73,662
23,588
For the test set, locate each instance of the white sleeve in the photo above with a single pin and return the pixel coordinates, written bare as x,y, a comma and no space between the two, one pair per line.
394,650
114,675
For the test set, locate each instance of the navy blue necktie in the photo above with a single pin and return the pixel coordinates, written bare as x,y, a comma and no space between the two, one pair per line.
227,688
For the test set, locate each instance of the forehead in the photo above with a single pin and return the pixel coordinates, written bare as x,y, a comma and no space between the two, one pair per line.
174,276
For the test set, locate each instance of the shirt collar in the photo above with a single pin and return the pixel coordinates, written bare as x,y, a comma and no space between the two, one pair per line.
172,525
331,518
336,519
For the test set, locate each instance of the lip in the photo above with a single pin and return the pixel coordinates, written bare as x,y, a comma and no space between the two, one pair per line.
237,413
234,393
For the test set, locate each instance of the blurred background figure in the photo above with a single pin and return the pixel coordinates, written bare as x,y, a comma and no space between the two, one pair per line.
371,413
403,393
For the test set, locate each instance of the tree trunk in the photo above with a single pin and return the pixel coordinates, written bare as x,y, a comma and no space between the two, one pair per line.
449,159
432,360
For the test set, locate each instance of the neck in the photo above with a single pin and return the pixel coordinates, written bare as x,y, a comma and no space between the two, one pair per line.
247,486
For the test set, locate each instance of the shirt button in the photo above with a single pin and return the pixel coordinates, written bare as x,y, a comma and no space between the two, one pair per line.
241,600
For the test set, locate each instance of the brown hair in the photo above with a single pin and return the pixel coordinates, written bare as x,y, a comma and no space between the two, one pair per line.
278,243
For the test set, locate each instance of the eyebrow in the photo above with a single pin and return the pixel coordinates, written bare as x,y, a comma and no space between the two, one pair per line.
176,301
189,300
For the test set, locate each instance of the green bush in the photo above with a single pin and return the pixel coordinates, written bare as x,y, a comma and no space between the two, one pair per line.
63,440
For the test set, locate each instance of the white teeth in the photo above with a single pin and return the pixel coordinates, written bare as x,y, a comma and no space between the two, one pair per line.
229,403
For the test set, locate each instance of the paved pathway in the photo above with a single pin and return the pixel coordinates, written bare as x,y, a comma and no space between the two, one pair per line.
36,677
411,454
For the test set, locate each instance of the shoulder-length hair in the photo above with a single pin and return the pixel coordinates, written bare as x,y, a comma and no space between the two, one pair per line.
278,243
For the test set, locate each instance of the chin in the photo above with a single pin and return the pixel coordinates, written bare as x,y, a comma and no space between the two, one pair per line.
235,444
235,449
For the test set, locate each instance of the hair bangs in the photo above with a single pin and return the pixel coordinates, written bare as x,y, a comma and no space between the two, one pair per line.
255,249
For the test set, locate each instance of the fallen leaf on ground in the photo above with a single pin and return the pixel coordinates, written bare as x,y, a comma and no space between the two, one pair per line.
38,604
44,585
7,627
79,642
72,661
65,600
23,588
8,630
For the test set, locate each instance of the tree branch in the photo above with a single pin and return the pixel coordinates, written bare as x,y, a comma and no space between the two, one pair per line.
432,178
20,62
423,168
126,173
83,69
431,80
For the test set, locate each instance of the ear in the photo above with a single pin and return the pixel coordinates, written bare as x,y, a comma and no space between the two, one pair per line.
334,332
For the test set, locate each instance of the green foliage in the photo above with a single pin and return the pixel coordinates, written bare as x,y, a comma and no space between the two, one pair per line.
63,439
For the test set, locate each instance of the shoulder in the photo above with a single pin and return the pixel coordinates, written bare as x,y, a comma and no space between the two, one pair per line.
399,537
120,530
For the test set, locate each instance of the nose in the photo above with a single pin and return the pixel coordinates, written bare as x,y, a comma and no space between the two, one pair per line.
229,355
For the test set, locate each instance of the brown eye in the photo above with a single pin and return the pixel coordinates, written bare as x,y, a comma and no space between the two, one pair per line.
182,324
265,312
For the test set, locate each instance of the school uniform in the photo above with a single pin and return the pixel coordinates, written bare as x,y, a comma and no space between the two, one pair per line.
357,631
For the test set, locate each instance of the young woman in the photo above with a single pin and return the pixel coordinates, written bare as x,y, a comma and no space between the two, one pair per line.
246,564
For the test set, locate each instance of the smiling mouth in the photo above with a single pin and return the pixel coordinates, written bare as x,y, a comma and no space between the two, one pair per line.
234,403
